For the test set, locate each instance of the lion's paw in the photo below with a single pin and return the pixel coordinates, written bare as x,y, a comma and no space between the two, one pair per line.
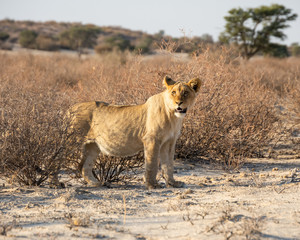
153,186
175,184
94,184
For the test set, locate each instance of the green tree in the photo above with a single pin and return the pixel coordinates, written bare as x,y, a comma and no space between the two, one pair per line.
206,38
118,42
27,39
295,49
4,36
144,44
160,35
253,29
276,50
47,43
79,37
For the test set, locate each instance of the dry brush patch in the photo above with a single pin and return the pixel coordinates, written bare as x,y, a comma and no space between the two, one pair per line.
237,225
233,117
36,142
34,136
282,77
108,169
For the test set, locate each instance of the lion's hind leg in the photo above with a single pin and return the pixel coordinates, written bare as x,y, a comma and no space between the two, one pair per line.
90,154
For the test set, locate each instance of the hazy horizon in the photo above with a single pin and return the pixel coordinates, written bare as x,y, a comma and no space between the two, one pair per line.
176,18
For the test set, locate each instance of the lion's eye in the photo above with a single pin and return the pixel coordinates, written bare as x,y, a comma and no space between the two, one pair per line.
185,94
173,93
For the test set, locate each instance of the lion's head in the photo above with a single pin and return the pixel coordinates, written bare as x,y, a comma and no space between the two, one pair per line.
181,96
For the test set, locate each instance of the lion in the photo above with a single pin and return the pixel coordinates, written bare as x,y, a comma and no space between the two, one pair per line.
124,130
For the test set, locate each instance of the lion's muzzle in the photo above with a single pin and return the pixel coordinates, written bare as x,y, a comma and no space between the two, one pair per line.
180,110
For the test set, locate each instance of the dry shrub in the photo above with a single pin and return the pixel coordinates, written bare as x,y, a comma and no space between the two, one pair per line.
47,43
108,169
34,134
115,169
282,77
35,93
279,75
233,117
237,225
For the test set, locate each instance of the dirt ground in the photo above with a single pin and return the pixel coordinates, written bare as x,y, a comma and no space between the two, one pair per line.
261,201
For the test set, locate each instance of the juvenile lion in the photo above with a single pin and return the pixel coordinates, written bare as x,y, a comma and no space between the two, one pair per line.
125,130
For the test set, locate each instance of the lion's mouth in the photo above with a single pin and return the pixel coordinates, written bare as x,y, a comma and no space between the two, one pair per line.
180,110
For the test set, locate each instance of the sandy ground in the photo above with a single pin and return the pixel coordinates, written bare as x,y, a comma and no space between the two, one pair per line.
261,201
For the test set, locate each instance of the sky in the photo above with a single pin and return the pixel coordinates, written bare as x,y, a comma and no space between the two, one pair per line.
177,18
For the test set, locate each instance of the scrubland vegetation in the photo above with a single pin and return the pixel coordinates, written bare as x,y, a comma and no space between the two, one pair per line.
55,36
235,116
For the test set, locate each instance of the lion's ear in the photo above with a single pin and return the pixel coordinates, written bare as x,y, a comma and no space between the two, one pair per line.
168,81
195,84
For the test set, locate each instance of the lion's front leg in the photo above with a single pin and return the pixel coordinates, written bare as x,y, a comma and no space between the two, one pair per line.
167,153
151,149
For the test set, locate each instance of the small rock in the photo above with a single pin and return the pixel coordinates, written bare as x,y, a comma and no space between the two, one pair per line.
243,174
262,175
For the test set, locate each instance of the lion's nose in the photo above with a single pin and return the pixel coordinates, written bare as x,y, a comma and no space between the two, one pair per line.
179,103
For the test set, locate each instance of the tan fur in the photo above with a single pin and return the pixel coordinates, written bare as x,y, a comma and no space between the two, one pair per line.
125,130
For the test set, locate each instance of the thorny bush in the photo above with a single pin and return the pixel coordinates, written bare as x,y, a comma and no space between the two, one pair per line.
234,117
34,135
109,169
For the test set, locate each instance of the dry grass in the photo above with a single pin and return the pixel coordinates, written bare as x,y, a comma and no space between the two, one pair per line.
281,77
234,116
